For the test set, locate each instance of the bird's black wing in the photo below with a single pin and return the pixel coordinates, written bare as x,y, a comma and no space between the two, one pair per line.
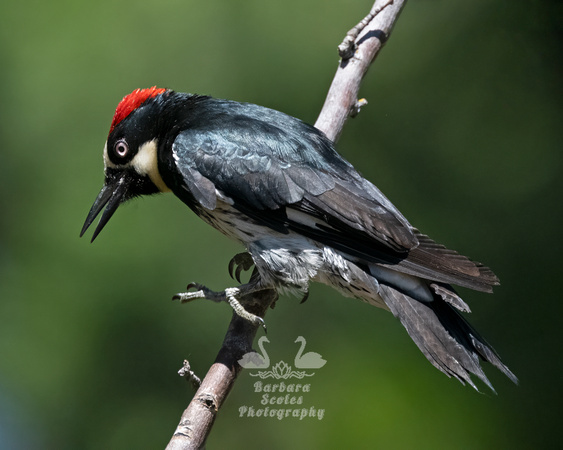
427,259
265,160
286,174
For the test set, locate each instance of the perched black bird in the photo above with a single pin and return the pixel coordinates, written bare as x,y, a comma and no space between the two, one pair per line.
303,213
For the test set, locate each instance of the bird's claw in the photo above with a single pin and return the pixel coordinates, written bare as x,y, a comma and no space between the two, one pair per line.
229,295
305,297
201,292
242,261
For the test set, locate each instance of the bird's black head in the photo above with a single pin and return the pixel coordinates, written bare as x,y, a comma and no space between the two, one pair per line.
130,155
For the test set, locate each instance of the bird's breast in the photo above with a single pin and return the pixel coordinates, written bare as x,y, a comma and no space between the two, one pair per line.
233,223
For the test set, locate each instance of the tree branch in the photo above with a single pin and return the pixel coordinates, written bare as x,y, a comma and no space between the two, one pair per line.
197,420
358,50
368,36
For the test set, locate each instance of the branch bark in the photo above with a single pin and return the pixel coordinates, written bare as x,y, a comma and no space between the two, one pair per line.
198,418
358,51
342,98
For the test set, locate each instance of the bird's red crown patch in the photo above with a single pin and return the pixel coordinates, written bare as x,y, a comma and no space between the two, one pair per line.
131,102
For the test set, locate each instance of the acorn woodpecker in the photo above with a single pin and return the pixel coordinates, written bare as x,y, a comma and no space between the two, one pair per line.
302,212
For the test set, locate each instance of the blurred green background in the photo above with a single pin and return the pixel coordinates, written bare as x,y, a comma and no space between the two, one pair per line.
462,132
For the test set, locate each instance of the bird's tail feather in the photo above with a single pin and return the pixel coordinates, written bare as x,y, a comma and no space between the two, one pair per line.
448,341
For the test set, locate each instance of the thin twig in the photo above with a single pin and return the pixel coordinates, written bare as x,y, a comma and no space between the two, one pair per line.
342,98
187,373
197,420
348,46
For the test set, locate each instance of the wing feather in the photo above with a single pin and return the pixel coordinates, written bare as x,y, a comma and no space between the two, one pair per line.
268,162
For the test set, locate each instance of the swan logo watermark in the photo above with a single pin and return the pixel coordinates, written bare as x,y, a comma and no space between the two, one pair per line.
281,397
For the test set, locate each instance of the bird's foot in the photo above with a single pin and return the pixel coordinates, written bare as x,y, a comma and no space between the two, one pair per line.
242,261
229,295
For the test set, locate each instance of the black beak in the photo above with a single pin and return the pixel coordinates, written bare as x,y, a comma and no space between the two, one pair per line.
112,194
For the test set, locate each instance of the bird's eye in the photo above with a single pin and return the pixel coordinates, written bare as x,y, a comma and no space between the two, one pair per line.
121,148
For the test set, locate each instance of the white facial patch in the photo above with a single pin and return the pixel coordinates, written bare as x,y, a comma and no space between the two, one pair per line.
107,162
145,163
